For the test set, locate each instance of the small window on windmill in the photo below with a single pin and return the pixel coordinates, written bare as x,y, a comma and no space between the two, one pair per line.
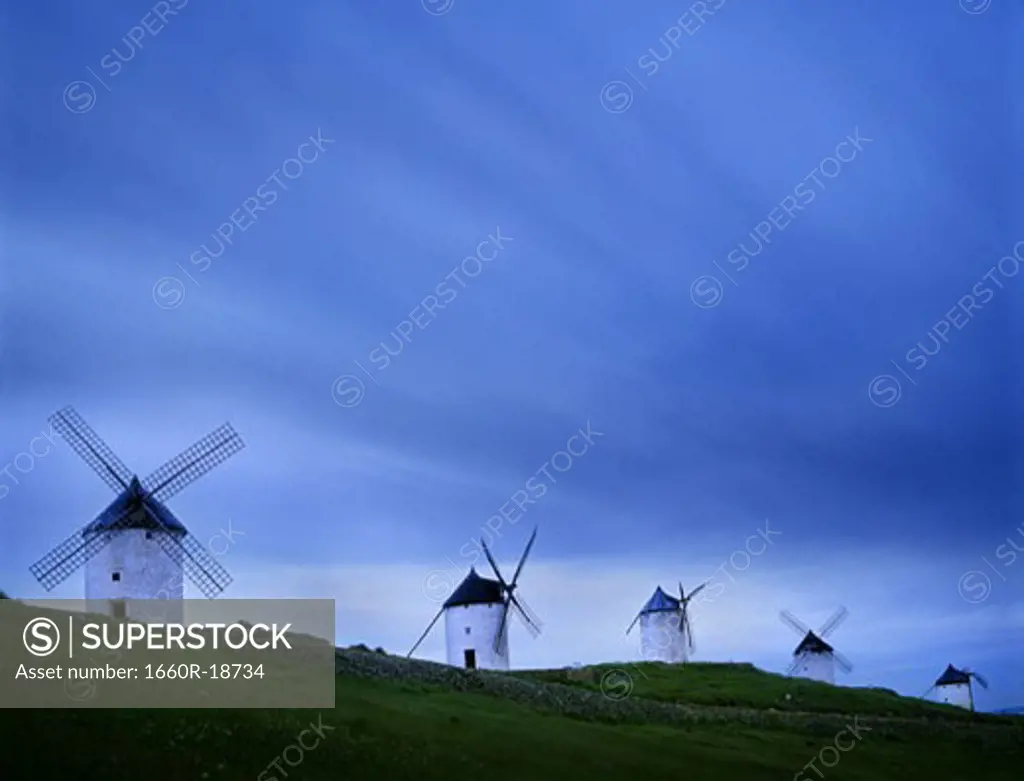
115,577
149,535
467,630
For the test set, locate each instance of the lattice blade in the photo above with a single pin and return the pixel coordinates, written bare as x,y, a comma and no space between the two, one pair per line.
57,565
425,633
844,663
502,628
688,633
634,623
184,469
528,617
693,593
208,576
93,450
494,565
794,622
830,626
522,561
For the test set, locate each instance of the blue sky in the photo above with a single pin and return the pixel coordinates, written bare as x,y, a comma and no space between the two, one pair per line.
627,158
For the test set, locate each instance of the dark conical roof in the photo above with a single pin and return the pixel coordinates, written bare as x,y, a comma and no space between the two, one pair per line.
812,644
475,590
952,676
660,601
132,497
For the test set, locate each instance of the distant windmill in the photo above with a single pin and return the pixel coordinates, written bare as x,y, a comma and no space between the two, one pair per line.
666,633
953,687
476,618
144,547
814,658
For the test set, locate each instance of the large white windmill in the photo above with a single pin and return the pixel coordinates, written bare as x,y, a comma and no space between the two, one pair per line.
954,687
136,549
476,618
813,657
666,633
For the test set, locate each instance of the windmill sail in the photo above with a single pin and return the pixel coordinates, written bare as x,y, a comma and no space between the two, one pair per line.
470,629
510,599
194,462
208,576
58,565
425,633
630,627
814,656
832,624
139,506
685,623
93,450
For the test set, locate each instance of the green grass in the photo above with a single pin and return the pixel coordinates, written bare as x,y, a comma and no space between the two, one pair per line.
743,685
398,730
389,730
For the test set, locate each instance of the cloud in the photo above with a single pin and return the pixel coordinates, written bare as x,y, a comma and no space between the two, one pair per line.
714,419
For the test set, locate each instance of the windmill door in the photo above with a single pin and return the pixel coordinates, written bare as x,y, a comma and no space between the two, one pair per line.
117,608
470,658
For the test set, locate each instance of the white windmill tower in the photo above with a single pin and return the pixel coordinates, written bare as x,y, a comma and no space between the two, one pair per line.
813,657
476,618
666,633
954,687
135,551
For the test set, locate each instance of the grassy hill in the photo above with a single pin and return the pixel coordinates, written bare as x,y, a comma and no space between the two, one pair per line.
388,727
405,719
385,730
743,685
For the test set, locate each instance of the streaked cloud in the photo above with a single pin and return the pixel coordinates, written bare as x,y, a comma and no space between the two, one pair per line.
714,419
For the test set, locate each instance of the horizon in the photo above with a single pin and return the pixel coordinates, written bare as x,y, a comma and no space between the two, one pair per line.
703,296
628,666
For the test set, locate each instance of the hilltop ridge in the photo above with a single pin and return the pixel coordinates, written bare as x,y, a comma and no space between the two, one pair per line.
414,720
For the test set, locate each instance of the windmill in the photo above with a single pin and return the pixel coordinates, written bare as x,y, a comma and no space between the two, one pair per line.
814,658
136,549
666,632
954,687
476,617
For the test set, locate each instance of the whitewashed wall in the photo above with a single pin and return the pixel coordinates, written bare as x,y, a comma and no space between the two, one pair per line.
954,694
817,667
147,573
483,622
660,638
